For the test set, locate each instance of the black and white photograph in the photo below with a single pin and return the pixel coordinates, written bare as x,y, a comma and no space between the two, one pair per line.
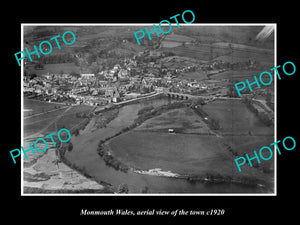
148,112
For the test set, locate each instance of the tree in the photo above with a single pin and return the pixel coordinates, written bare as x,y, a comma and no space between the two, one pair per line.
91,58
39,66
265,119
145,190
268,98
232,92
76,132
70,146
123,188
94,68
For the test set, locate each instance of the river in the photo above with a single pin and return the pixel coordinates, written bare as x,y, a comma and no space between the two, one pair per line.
84,155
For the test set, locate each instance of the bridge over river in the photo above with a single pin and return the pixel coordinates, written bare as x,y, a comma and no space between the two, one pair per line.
185,96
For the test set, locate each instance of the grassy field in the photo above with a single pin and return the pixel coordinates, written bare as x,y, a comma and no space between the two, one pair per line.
210,52
247,144
183,120
56,68
35,107
178,38
202,52
235,34
37,123
170,44
63,117
199,75
191,154
69,119
194,149
239,75
235,118
181,153
212,45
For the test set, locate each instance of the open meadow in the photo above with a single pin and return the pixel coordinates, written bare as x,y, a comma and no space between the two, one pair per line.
46,119
180,153
236,75
33,107
194,148
235,118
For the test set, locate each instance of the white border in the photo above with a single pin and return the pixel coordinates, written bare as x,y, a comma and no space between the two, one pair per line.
151,24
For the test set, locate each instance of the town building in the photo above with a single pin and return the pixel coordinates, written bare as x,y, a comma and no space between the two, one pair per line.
87,75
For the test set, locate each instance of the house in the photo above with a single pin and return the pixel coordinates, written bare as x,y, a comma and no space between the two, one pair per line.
171,131
140,53
48,91
112,72
155,53
94,91
87,75
47,76
54,89
79,90
123,74
159,89
116,96
29,89
38,91
113,94
117,67
73,79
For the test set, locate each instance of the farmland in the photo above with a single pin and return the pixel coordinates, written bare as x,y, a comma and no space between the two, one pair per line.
174,40
41,122
199,140
194,149
226,53
48,121
178,38
36,107
229,44
185,154
183,120
236,74
199,75
197,155
228,113
202,52
57,68
233,34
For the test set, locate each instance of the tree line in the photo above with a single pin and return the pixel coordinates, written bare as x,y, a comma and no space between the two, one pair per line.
263,117
54,58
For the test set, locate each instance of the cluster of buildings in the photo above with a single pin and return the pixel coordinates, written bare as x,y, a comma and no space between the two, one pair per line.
123,81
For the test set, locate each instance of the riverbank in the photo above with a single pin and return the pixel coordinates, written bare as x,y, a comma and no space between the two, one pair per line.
107,154
44,173
103,148
208,178
85,158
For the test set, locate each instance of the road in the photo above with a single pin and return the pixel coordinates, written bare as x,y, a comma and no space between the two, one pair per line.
39,133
